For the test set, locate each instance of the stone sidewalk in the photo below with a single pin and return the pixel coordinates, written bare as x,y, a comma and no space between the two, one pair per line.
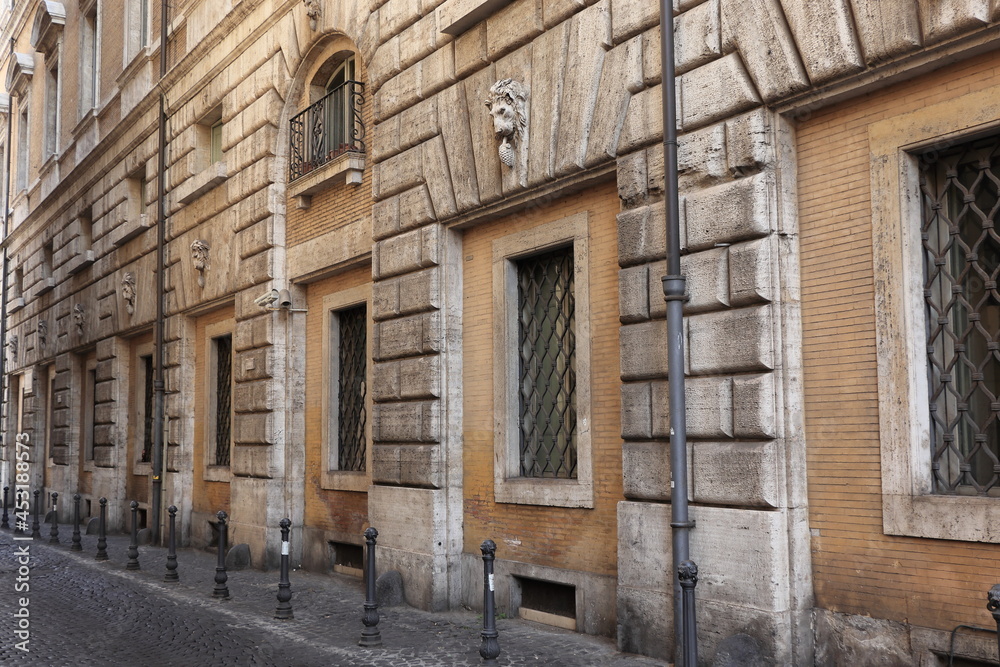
91,612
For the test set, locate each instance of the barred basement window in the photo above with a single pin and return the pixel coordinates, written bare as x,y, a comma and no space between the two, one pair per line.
147,408
961,250
223,386
547,377
351,387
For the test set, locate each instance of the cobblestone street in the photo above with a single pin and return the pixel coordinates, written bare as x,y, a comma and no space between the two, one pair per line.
83,612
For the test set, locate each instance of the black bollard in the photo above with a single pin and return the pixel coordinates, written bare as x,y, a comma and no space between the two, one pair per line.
687,573
133,546
171,574
490,647
54,526
284,608
370,636
5,522
35,532
102,540
76,546
221,590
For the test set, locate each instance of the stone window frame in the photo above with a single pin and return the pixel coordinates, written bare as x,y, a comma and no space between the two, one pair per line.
88,404
47,376
90,57
138,36
23,145
136,411
210,471
332,478
909,505
53,104
508,486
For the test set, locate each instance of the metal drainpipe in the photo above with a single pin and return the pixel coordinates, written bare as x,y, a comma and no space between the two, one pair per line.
3,298
161,221
674,293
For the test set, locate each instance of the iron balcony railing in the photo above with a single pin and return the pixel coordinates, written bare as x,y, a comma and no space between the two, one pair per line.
328,129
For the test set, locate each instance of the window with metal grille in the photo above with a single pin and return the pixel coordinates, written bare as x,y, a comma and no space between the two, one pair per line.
547,368
223,387
961,260
147,408
352,387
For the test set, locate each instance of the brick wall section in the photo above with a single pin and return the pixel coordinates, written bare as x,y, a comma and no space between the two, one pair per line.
344,511
577,539
857,568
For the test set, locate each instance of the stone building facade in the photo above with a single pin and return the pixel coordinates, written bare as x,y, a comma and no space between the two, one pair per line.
357,196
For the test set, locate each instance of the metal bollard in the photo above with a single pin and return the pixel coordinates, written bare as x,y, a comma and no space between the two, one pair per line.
54,526
133,545
102,540
5,521
687,573
371,636
993,604
171,573
76,546
221,590
490,648
284,608
34,517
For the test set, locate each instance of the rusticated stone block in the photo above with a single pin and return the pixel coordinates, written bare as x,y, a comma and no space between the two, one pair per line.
697,36
701,157
548,62
758,31
407,379
418,123
749,142
943,18
735,473
642,235
634,294
824,33
408,336
253,428
707,275
636,411
483,139
385,140
886,29
646,470
405,295
632,177
512,27
406,252
750,272
398,173
395,15
708,407
470,51
417,41
643,350
385,218
385,64
438,175
413,421
399,92
630,18
438,71
408,465
458,150
557,11
253,397
754,406
643,121
253,461
588,37
715,91
415,208
731,341
622,77
730,212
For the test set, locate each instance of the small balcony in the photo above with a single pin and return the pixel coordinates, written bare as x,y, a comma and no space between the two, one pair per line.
329,132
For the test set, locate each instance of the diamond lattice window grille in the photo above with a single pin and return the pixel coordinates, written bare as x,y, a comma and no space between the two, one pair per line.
352,389
223,394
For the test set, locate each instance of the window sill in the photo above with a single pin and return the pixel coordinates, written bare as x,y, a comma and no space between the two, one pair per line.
217,474
350,165
79,262
345,480
202,182
545,492
46,285
962,518
129,229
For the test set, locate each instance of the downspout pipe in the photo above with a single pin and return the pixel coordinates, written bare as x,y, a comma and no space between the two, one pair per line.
3,297
161,222
674,290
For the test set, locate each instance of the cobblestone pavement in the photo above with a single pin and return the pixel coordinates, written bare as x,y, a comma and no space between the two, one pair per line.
83,612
